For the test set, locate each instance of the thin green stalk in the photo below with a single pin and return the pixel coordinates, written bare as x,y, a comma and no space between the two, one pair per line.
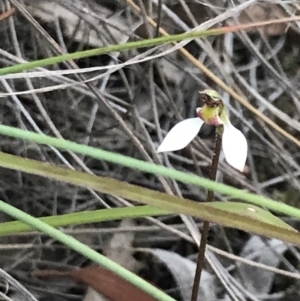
82,218
150,168
108,49
85,251
139,44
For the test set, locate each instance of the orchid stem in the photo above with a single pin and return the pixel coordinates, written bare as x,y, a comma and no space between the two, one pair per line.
205,227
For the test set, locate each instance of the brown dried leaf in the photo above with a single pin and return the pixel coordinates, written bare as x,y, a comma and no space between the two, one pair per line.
103,281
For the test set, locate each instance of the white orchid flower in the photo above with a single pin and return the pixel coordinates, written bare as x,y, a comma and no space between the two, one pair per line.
234,143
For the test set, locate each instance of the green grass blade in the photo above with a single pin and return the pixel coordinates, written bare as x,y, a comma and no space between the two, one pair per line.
144,166
153,198
85,251
82,218
109,49
139,44
253,212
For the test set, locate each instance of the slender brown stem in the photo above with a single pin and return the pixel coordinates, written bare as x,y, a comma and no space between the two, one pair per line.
205,227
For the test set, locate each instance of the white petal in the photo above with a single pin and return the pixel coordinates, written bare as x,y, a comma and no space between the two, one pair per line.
181,135
235,146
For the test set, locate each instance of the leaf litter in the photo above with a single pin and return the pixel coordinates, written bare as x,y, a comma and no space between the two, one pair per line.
262,65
